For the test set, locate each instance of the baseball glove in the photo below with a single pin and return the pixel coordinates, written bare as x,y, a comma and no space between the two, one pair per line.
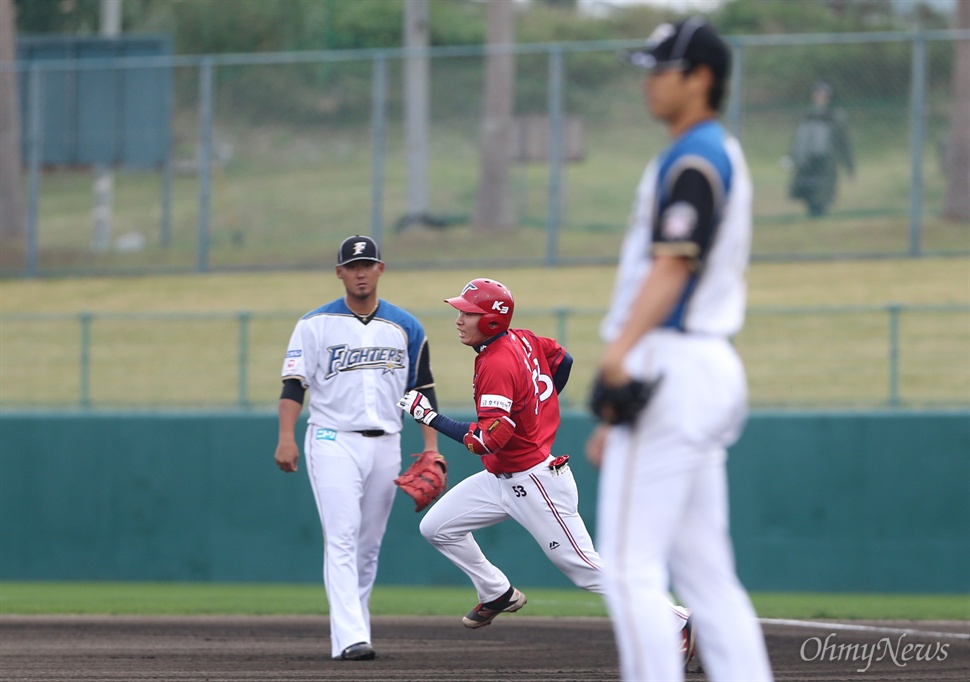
620,404
425,479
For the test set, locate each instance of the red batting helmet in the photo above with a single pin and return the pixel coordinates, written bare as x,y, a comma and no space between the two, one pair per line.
490,299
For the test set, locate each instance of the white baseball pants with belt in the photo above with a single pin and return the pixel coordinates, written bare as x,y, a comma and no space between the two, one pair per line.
352,477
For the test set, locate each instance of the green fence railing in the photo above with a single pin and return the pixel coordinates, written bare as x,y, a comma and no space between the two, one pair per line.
896,355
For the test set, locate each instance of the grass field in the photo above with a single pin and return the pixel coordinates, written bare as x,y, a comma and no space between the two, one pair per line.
820,283
262,599
818,333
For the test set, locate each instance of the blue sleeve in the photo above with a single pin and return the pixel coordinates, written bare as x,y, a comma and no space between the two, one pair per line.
561,376
449,427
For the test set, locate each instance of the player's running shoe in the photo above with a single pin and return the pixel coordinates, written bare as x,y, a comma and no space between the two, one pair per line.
687,645
361,651
483,614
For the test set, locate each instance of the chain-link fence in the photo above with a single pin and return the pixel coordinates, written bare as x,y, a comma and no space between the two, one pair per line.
891,356
274,158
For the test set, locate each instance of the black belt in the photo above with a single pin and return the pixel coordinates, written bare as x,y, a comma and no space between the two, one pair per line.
554,465
372,433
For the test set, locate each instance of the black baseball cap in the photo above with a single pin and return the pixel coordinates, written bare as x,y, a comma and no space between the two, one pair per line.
358,247
683,46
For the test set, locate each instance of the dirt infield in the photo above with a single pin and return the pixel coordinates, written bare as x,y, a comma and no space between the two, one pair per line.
519,648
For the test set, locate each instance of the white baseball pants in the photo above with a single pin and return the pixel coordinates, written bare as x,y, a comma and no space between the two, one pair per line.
663,517
543,502
353,484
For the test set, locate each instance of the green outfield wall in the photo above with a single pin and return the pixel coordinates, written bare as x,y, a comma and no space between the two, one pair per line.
873,501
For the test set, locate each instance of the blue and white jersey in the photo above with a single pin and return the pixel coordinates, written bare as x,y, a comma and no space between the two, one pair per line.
693,200
357,370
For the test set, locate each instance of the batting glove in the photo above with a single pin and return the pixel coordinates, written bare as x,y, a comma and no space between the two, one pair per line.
418,406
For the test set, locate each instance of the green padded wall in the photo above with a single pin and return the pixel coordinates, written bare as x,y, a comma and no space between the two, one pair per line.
820,501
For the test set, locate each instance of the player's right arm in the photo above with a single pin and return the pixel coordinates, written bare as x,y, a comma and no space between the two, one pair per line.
287,451
681,241
295,368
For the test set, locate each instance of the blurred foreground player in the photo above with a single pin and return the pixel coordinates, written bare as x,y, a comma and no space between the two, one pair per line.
671,390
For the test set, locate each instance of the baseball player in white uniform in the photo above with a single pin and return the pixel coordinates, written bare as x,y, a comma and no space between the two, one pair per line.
679,297
357,355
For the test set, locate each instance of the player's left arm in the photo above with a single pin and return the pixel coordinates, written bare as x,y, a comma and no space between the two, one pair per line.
560,363
489,433
682,238
423,381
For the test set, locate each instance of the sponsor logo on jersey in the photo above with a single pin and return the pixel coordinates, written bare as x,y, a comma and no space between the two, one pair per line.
326,434
499,401
345,359
294,353
290,364
553,544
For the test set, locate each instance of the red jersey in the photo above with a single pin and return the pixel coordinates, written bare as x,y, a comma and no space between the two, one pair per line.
513,377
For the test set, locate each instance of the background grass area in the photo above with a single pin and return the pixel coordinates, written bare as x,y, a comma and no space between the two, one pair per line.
866,282
264,599
169,330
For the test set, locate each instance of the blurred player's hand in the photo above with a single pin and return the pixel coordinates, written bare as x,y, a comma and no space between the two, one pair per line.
595,444
287,454
611,370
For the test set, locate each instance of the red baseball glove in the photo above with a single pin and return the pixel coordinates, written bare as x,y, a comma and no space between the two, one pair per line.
425,479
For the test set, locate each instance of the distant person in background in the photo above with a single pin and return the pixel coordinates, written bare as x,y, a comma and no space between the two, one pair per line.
820,145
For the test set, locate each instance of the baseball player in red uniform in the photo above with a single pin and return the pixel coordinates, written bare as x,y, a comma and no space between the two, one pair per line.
516,385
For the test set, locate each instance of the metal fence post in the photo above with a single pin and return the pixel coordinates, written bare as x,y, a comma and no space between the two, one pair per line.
917,105
205,159
554,218
35,137
893,309
378,124
85,360
734,96
562,318
166,231
244,318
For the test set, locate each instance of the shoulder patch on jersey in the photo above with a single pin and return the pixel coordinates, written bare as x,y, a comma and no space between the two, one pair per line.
678,221
294,353
499,401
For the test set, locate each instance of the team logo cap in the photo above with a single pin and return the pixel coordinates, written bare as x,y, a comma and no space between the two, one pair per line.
358,247
682,46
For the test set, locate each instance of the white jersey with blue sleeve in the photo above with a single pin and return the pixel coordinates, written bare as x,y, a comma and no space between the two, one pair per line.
693,200
356,369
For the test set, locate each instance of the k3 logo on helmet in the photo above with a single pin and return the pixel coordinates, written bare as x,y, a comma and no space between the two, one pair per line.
500,306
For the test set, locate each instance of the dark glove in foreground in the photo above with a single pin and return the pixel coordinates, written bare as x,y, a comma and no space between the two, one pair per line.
620,404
